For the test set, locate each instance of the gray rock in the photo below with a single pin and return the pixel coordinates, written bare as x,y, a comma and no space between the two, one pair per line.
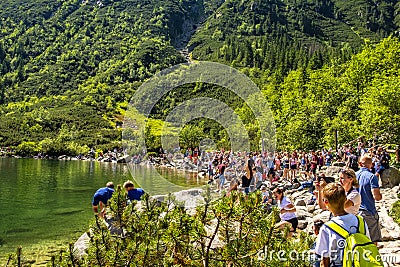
332,171
302,224
386,235
300,202
311,208
338,164
390,177
81,245
124,159
321,215
302,213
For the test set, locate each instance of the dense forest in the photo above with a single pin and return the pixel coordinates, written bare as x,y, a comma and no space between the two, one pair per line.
69,68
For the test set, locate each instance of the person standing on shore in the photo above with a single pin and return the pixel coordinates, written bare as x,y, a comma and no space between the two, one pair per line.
221,175
101,198
370,192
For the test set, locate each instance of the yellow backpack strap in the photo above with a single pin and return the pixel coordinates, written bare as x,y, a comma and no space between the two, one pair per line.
361,225
337,229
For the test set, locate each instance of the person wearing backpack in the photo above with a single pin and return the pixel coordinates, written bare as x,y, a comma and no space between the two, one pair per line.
344,231
352,161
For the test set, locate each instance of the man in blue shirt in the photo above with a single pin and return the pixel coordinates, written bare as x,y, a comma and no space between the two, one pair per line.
133,193
101,198
369,191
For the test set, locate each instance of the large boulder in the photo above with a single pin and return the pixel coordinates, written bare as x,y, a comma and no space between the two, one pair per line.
124,159
81,245
390,177
339,164
332,171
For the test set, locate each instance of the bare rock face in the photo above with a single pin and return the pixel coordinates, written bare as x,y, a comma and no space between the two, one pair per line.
390,177
81,245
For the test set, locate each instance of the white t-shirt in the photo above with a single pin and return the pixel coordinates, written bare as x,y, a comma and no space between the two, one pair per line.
287,215
329,244
266,194
355,197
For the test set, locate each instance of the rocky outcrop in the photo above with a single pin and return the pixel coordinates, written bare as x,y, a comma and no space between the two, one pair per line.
390,177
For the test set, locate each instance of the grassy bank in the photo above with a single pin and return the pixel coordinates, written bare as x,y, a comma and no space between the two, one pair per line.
395,212
38,254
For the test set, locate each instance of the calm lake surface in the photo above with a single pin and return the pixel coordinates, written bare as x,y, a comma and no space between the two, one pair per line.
49,200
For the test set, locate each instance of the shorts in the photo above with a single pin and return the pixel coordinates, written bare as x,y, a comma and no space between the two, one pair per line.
372,221
271,171
294,222
293,167
286,166
314,170
221,180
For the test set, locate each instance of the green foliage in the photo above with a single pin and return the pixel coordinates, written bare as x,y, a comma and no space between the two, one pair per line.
190,136
356,98
77,63
395,212
232,231
28,149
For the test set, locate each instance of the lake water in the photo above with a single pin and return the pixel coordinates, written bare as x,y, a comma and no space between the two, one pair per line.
49,200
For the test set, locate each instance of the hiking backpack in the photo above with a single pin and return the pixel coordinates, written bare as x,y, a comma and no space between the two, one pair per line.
359,250
354,163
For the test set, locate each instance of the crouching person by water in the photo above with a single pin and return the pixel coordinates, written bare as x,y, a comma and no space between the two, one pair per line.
101,198
133,193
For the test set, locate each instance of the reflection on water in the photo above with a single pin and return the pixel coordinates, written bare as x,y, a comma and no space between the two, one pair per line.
51,200
162,180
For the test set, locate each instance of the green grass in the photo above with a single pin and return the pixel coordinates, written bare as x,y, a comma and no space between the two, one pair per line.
38,254
395,212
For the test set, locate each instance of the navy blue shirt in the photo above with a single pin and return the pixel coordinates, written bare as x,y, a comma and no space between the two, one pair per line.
135,194
103,195
367,181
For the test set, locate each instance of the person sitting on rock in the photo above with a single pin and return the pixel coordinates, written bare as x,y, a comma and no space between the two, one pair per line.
133,193
101,198
287,211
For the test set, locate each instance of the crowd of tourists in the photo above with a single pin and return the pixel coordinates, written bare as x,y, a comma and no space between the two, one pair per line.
351,200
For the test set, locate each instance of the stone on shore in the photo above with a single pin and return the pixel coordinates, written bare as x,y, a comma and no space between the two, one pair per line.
390,177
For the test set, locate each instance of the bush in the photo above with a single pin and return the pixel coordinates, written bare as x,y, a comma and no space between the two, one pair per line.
27,149
231,231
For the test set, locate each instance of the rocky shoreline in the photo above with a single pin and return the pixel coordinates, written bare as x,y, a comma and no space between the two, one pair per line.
307,212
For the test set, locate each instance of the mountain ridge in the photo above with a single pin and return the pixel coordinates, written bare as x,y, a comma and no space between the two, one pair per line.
91,56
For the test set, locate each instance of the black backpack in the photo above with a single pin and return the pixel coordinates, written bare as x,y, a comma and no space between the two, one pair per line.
354,162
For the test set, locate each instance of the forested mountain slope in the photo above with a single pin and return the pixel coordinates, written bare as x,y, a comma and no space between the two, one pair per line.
68,68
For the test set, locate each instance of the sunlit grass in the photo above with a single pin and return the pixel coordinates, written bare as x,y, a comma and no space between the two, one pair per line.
37,254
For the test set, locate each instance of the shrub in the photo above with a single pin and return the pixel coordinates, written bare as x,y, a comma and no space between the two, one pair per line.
231,231
28,149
